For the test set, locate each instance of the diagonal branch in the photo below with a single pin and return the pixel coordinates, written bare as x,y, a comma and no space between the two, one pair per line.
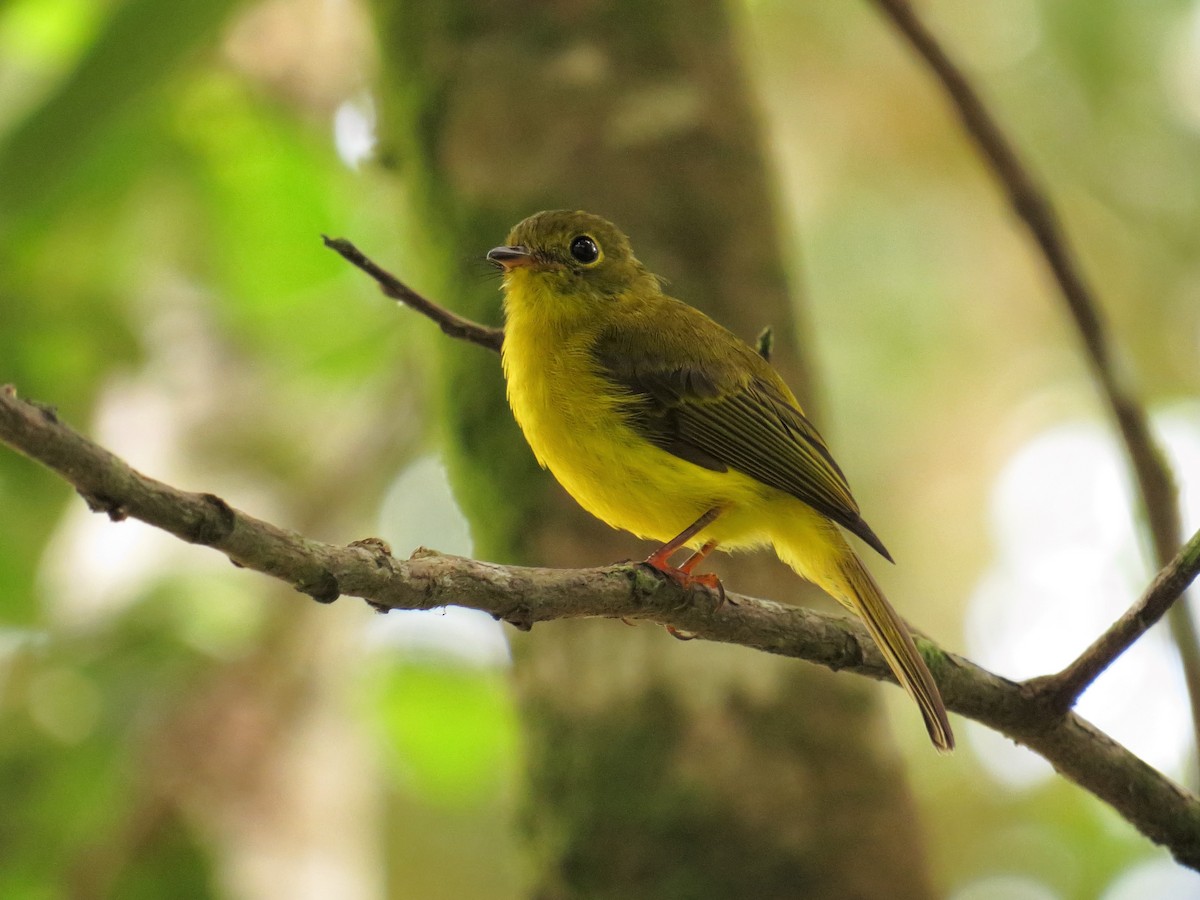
1156,488
1062,689
1160,809
451,323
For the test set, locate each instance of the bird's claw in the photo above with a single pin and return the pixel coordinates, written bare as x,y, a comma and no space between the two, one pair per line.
713,583
685,580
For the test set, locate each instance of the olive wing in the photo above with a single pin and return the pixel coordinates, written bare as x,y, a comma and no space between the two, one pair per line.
729,414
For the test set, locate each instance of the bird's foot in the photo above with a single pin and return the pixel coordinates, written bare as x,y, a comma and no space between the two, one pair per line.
684,578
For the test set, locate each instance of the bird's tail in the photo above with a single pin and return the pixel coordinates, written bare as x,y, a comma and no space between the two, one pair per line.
843,576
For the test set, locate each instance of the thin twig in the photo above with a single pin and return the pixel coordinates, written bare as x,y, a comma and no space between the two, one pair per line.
1061,690
451,323
1156,488
1160,809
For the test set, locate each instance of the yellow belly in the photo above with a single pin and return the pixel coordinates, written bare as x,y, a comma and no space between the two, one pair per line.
578,431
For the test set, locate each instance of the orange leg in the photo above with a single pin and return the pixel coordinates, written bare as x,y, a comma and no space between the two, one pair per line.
709,580
659,560
696,558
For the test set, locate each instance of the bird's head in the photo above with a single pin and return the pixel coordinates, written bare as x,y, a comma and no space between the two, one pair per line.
575,257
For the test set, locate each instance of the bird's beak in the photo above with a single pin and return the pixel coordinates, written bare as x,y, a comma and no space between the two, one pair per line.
508,258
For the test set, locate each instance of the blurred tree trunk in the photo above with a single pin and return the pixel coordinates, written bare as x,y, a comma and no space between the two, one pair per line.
656,768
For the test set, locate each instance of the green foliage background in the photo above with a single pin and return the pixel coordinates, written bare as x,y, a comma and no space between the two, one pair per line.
184,729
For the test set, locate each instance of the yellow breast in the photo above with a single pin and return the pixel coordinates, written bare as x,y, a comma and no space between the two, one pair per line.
576,424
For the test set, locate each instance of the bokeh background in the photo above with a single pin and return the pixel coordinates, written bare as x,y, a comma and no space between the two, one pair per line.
172,726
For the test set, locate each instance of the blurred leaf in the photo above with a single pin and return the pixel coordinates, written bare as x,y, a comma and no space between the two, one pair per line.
74,718
266,183
46,30
138,49
452,732
177,867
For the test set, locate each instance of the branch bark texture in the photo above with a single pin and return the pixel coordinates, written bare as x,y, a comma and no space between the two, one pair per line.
1160,809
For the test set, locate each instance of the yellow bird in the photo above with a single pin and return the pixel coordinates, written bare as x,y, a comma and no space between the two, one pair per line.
659,421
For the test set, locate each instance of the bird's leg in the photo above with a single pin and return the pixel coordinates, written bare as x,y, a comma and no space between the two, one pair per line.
696,558
708,579
659,560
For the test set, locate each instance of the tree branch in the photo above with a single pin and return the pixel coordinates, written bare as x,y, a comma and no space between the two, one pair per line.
1156,488
1160,809
451,323
1062,689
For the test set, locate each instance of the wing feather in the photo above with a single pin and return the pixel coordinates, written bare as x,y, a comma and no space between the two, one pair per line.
736,414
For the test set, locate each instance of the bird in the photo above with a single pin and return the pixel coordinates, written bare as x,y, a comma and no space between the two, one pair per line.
661,422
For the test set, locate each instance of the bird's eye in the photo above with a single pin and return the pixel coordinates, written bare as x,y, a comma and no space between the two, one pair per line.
584,249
